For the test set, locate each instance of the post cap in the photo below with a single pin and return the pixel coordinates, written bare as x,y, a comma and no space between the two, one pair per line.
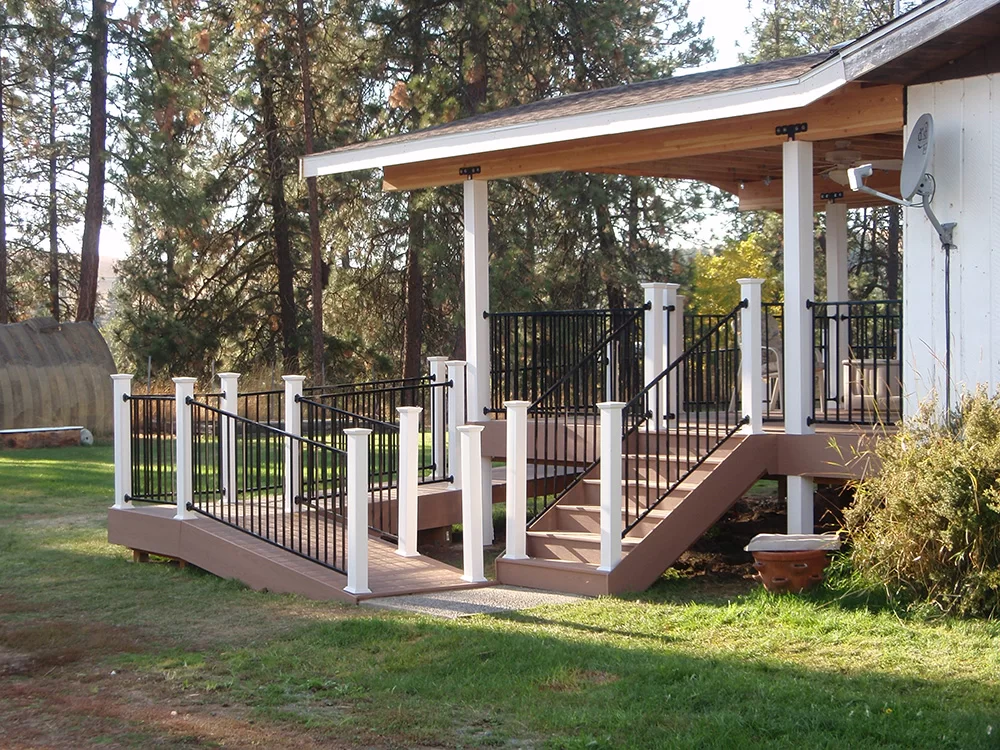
610,405
409,409
437,359
121,376
184,381
516,404
293,378
653,284
756,282
471,429
455,363
228,374
357,431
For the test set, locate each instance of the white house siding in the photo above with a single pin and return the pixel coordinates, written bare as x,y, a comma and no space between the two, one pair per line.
965,163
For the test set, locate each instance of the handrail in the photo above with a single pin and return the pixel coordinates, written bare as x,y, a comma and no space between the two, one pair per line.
344,412
655,473
574,455
266,427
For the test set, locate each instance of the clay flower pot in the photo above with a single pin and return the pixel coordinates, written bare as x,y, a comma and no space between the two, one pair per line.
790,571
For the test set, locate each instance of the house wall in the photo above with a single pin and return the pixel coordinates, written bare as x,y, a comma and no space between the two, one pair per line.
965,163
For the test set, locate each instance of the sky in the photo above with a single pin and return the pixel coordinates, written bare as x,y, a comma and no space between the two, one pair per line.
725,20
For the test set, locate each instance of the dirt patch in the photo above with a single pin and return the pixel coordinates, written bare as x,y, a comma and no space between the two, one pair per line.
49,644
719,553
578,679
15,662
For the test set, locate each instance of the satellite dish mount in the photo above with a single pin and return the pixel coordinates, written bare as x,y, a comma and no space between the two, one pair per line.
914,180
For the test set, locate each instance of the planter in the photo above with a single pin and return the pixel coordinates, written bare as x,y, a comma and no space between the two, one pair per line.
791,571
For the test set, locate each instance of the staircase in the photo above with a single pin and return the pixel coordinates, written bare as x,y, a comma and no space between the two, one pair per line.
563,544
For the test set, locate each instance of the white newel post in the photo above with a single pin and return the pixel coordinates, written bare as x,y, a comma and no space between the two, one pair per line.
751,348
293,451
517,479
797,179
676,349
439,446
456,417
836,291
409,450
183,390
668,389
654,342
229,383
611,484
472,503
122,385
357,510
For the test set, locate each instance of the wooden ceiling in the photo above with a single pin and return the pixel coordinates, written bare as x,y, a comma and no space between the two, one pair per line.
754,175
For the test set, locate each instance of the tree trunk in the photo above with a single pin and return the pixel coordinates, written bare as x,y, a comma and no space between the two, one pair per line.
93,214
892,252
413,330
316,264
53,198
4,301
281,228
609,251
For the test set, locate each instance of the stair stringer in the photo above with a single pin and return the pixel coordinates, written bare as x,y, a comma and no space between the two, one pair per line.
693,516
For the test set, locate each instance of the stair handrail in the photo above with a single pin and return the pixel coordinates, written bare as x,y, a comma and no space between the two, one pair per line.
633,315
659,388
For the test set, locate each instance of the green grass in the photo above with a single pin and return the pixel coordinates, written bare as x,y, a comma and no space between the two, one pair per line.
686,664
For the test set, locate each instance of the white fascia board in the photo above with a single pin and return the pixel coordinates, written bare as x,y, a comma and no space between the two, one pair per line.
788,94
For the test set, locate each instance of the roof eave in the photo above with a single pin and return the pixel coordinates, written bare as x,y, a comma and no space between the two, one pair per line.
791,93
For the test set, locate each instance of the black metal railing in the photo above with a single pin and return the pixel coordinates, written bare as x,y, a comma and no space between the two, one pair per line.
531,351
154,448
858,361
563,419
667,434
287,490
377,401
773,360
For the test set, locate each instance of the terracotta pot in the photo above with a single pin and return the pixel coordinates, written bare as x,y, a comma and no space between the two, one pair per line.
790,571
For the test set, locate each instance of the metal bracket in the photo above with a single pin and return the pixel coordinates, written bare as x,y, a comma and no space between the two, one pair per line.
832,197
469,171
792,129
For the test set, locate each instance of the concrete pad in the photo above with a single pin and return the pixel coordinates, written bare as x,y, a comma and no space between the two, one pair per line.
464,603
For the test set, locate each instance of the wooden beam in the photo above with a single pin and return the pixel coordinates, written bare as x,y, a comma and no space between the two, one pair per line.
756,196
851,111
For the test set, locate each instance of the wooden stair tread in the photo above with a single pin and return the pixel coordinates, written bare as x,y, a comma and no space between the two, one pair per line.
596,509
578,536
566,565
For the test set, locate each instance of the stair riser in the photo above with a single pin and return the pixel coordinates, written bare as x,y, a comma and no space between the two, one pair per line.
576,550
657,472
591,494
587,521
672,444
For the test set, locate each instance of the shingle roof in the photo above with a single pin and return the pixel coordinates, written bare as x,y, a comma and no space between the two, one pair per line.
617,97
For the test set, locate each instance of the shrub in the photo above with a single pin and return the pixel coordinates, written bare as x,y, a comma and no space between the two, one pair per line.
926,526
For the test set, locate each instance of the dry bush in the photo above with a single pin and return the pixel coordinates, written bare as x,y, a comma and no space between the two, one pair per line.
927,525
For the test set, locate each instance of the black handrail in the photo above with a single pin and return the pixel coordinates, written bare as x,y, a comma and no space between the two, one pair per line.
611,370
309,523
678,438
532,350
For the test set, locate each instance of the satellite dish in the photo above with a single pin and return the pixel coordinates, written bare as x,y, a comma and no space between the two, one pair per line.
917,157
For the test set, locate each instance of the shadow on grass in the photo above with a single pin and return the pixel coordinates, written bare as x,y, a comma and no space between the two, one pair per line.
605,673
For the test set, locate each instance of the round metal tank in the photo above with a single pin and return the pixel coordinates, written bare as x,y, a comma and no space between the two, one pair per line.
55,374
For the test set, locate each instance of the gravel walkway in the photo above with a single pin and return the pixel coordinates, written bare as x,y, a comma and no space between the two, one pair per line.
465,602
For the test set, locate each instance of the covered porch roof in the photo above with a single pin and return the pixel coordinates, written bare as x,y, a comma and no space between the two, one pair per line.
722,127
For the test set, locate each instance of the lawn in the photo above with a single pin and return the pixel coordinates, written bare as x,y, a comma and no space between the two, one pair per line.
98,651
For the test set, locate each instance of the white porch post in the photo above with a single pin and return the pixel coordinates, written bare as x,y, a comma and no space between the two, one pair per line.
438,443
517,479
611,484
183,390
836,290
752,384
122,417
228,382
668,389
477,328
456,417
472,505
477,297
293,453
357,510
409,449
654,351
797,179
